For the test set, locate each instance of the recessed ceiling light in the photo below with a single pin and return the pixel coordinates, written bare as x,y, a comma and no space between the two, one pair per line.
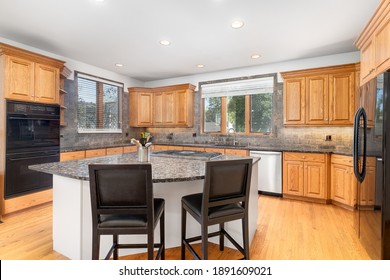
200,65
118,64
165,42
255,56
237,24
99,0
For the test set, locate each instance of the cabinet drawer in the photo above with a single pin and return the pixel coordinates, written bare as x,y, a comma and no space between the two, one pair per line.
340,159
95,153
179,148
72,155
236,152
113,151
215,150
201,149
304,157
129,149
160,147
348,160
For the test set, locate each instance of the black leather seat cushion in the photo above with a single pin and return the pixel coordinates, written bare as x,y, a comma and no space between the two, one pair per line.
194,201
109,221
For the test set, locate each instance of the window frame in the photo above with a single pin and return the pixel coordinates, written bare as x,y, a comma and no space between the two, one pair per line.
224,104
100,81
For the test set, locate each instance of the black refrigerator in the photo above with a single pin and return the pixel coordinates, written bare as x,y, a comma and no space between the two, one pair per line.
371,157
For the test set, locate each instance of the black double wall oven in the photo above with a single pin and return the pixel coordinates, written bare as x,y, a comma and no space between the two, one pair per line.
33,137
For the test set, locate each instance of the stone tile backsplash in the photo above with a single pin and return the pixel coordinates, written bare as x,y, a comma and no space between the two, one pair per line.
281,137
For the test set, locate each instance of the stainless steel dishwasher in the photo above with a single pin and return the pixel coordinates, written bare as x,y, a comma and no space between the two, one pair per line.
269,172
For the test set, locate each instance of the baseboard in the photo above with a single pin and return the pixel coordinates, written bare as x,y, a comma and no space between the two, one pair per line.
26,201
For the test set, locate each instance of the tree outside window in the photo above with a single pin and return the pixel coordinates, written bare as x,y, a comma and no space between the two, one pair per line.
98,105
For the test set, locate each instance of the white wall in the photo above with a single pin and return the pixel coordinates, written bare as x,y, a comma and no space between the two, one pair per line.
75,65
337,59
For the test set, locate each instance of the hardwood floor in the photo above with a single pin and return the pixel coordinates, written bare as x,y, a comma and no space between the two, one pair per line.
286,230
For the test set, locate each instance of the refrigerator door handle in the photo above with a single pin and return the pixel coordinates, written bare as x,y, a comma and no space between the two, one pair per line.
359,169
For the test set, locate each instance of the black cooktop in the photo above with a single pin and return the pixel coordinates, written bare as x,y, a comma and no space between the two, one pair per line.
187,154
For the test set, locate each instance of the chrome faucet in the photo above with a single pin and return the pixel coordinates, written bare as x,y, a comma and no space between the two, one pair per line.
234,131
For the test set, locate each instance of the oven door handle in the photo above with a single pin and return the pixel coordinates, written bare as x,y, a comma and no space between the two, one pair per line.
35,119
43,156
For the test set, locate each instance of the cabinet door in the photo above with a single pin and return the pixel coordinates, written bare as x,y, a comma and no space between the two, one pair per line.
184,105
294,101
317,99
315,180
46,84
164,109
293,177
158,109
169,108
367,194
19,79
368,101
145,109
382,48
341,98
343,186
367,61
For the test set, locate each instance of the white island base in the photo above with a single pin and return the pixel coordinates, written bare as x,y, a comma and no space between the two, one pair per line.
72,223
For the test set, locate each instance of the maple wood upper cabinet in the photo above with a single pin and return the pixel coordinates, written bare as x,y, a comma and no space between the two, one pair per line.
141,107
294,101
320,96
374,42
29,76
170,106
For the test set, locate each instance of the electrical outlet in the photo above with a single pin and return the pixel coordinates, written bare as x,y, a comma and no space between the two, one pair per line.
328,138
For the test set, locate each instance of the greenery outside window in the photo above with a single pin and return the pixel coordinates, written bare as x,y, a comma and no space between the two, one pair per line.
99,104
242,104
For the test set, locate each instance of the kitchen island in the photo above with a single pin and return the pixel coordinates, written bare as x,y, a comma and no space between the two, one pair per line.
173,177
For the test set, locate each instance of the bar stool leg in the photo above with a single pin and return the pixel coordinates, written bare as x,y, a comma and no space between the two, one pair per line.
245,233
95,245
205,242
115,243
183,232
221,237
162,234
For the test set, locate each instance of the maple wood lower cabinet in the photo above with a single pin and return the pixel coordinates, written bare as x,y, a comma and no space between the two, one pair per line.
344,183
306,176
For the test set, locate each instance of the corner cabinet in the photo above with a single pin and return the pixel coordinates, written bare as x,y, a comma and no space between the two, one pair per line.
170,106
374,42
306,176
344,186
321,96
29,76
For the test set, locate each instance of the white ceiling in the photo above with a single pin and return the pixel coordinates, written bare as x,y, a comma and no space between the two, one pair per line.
129,31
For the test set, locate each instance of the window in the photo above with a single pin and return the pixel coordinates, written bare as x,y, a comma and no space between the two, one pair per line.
99,104
242,104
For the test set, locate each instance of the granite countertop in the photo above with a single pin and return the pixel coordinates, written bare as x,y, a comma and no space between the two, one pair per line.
165,169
